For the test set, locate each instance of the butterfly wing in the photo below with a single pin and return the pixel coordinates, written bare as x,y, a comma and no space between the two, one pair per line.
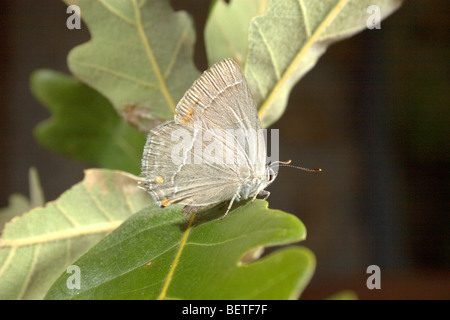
171,174
210,112
221,98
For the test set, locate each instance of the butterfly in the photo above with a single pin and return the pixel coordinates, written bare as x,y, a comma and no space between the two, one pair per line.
217,110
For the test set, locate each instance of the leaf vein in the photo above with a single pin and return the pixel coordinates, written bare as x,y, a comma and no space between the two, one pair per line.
117,74
28,278
298,58
8,260
117,13
305,18
151,57
131,269
66,215
61,235
256,80
176,52
271,54
177,258
98,205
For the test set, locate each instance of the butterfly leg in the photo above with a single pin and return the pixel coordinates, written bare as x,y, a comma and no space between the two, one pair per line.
229,206
264,193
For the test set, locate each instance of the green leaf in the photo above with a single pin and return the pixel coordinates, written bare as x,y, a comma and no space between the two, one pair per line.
344,295
84,126
163,254
140,55
226,30
288,39
38,246
37,198
19,204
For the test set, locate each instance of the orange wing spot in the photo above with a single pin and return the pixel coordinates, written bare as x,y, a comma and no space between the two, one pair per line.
165,202
159,179
188,116
184,119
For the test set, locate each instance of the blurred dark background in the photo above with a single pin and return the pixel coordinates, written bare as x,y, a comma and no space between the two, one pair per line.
373,114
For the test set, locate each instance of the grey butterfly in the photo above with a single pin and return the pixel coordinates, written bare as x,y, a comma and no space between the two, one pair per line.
219,105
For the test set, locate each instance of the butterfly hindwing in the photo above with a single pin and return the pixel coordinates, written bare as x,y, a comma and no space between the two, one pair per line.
171,175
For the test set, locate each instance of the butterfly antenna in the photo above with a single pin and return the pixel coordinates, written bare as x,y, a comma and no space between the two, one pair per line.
287,164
